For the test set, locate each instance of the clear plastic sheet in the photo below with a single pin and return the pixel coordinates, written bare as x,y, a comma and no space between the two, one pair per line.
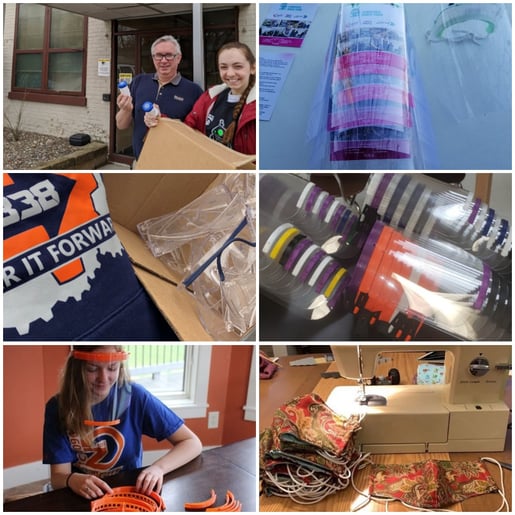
287,198
470,45
210,245
420,205
406,282
369,114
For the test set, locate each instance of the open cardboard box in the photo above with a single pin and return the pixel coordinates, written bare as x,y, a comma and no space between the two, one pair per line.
172,145
135,197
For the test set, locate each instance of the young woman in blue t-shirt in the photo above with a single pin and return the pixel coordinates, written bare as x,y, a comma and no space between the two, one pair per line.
93,426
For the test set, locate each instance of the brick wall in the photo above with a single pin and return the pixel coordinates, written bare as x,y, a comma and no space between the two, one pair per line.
247,24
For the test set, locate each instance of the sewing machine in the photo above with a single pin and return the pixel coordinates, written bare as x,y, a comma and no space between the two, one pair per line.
465,413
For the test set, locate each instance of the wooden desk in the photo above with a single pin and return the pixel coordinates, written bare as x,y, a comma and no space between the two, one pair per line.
347,499
232,467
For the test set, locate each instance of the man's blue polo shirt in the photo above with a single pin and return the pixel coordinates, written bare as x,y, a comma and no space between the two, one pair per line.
175,100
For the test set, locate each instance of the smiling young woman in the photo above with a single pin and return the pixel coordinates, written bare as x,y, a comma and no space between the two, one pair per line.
94,426
227,112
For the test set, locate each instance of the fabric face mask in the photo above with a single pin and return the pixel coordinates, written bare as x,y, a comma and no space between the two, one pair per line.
431,484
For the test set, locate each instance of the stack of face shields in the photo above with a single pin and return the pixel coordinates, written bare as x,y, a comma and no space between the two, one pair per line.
210,245
308,452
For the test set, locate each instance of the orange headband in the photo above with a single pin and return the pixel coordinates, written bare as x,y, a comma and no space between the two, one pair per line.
100,356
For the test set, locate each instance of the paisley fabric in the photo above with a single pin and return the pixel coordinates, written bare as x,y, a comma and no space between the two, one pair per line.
307,445
431,484
307,423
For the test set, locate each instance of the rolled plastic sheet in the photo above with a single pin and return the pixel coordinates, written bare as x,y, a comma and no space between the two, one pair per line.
405,283
423,206
370,110
298,273
324,217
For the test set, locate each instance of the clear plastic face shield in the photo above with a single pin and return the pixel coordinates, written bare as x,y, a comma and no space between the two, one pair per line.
104,372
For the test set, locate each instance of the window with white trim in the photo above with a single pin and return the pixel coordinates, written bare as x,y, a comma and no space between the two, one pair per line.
177,374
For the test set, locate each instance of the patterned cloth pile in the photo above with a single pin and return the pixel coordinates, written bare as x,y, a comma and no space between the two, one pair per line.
308,452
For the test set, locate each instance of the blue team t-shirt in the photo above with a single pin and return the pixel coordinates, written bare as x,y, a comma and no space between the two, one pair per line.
175,100
114,448
66,273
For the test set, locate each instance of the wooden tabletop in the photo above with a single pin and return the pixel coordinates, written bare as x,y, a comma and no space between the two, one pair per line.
292,381
231,467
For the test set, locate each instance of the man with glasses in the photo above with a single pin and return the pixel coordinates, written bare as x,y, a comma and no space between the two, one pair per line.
173,94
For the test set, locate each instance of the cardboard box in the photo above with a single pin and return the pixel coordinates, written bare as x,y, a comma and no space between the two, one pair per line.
136,197
172,145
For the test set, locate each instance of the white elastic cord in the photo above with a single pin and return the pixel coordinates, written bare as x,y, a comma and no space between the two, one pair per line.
501,489
305,486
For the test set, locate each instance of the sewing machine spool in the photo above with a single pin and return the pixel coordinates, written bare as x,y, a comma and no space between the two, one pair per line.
466,414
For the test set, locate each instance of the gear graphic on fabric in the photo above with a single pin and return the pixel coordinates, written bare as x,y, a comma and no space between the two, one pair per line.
56,226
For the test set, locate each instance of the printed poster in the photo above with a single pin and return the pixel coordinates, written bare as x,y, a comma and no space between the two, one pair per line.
273,70
287,25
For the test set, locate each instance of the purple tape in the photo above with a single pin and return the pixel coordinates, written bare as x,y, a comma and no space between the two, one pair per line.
350,224
335,220
402,145
343,221
381,189
475,209
310,202
363,154
397,194
310,265
325,206
339,291
483,289
366,253
295,253
326,275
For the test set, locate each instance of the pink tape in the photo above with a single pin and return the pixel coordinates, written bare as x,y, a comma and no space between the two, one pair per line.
280,41
342,71
373,92
377,58
370,117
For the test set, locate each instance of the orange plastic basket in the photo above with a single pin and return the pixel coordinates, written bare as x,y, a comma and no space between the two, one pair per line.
126,498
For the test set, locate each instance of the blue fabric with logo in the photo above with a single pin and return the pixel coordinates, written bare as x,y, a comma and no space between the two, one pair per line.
66,273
